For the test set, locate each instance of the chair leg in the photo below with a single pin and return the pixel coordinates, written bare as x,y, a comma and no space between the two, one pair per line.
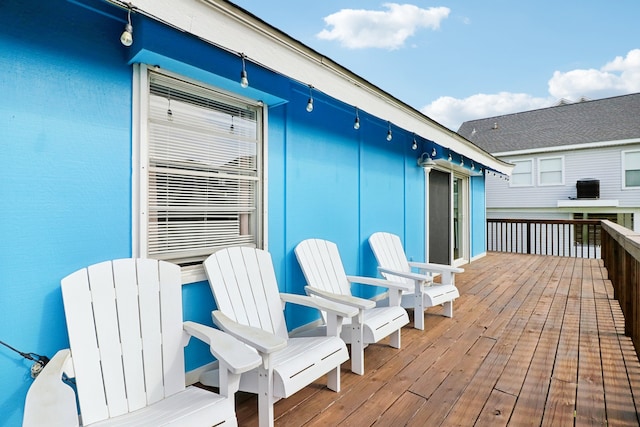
394,339
333,379
418,312
448,309
265,398
357,349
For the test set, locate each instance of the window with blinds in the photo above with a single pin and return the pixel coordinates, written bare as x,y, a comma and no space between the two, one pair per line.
203,173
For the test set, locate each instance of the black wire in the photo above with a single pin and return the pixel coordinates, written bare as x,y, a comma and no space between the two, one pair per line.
43,360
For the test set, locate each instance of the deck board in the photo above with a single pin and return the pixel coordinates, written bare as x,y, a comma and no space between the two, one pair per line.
535,340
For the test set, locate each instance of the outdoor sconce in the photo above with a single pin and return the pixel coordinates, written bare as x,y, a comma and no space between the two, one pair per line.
426,162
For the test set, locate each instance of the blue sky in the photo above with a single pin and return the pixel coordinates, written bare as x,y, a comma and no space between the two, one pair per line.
468,59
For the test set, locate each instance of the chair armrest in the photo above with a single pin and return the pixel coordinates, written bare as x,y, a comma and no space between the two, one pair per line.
379,282
350,300
438,268
337,309
49,400
257,338
227,349
405,274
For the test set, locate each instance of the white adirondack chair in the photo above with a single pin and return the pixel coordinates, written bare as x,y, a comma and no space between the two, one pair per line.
250,308
126,334
393,265
322,267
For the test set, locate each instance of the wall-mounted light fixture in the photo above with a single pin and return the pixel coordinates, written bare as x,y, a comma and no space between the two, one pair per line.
389,134
244,81
310,101
127,35
356,122
426,162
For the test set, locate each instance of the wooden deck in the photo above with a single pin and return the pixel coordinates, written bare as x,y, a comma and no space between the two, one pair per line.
535,340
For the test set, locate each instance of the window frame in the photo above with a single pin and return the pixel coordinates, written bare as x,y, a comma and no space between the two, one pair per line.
530,173
540,171
140,161
624,170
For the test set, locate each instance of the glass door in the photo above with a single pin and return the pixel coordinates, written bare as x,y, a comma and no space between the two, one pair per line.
460,226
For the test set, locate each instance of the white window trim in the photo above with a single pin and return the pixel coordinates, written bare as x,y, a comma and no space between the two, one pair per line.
540,160
623,175
140,187
512,184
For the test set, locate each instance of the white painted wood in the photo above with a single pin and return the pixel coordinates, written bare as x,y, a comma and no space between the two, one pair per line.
84,346
243,278
323,269
106,324
124,274
393,265
117,293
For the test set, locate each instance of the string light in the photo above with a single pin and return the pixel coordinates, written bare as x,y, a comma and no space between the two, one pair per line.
356,122
414,145
310,102
433,152
127,35
389,134
244,81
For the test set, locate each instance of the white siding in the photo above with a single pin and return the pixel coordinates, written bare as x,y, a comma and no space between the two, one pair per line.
604,164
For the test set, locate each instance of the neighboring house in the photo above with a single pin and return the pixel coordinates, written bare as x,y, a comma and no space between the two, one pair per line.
156,150
572,161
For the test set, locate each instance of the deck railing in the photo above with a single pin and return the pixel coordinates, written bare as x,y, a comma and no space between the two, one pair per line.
621,256
574,238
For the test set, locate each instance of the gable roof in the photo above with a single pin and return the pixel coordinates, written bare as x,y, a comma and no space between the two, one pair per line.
602,120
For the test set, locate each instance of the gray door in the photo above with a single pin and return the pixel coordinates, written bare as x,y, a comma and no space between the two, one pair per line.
439,217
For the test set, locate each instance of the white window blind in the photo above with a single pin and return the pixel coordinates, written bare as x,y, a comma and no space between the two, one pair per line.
204,174
631,168
522,174
551,172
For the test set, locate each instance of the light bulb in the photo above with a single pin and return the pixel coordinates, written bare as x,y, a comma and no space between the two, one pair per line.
356,123
310,105
389,135
127,35
414,146
244,81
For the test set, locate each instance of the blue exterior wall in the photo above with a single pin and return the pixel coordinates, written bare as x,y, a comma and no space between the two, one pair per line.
66,169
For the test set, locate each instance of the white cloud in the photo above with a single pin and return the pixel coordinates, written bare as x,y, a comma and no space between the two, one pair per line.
451,112
389,29
622,75
618,77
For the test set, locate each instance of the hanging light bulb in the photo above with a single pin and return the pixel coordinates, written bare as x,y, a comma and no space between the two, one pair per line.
127,35
356,122
461,161
389,134
473,166
244,81
433,152
310,102
414,145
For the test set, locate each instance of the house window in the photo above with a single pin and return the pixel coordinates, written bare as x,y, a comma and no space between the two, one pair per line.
551,171
631,169
201,172
522,174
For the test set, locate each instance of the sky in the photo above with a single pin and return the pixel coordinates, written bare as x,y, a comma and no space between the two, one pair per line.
471,59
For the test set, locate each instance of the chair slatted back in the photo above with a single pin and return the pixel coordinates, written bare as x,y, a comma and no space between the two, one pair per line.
389,253
322,267
244,286
124,319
